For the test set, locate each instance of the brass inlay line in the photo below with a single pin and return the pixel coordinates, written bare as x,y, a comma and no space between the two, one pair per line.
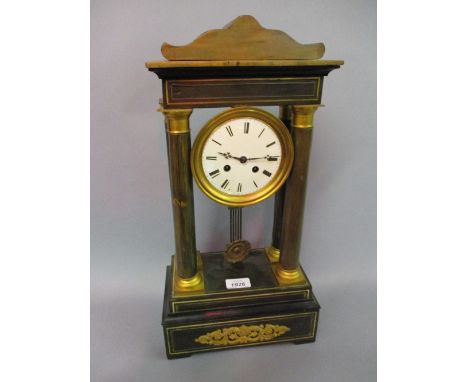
175,304
289,339
253,79
242,320
242,334
314,324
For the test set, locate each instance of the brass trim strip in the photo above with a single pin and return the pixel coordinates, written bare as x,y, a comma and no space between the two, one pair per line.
242,320
306,293
290,339
314,325
234,292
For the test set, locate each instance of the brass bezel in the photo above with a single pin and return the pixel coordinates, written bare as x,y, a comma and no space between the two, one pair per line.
276,182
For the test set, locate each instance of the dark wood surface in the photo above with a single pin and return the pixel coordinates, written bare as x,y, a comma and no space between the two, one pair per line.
184,72
202,87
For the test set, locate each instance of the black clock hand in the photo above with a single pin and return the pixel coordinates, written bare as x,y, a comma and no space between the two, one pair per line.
228,156
268,157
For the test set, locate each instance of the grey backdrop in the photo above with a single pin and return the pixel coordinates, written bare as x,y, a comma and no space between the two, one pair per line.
131,227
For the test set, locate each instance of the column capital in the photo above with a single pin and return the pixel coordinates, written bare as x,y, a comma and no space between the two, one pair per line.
303,116
177,120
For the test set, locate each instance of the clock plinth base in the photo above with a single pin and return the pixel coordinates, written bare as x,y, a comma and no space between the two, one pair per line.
219,318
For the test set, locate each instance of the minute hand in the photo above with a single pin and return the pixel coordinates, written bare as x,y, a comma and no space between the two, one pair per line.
268,157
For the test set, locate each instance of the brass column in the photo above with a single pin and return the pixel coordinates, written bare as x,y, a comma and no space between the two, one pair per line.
273,251
178,152
288,270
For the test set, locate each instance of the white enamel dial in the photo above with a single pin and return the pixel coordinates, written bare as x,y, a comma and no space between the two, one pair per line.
241,156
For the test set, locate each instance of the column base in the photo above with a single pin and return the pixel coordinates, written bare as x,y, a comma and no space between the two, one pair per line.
273,254
188,285
289,276
194,283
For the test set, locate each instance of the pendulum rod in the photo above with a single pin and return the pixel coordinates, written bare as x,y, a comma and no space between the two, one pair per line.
235,223
237,249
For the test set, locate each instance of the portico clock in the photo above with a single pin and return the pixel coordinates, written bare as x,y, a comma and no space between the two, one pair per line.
237,295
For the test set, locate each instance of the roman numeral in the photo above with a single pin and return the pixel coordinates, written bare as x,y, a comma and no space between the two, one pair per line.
246,127
229,130
239,187
255,184
225,184
261,132
216,142
211,158
273,158
271,144
214,173
267,173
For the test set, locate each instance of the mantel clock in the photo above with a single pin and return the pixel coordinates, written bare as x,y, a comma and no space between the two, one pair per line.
240,296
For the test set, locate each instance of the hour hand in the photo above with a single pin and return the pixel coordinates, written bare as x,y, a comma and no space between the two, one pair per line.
226,155
229,156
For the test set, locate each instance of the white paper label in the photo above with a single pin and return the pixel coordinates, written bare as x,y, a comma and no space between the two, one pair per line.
238,283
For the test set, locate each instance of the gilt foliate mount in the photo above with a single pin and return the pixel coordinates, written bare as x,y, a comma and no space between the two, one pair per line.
243,39
243,334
